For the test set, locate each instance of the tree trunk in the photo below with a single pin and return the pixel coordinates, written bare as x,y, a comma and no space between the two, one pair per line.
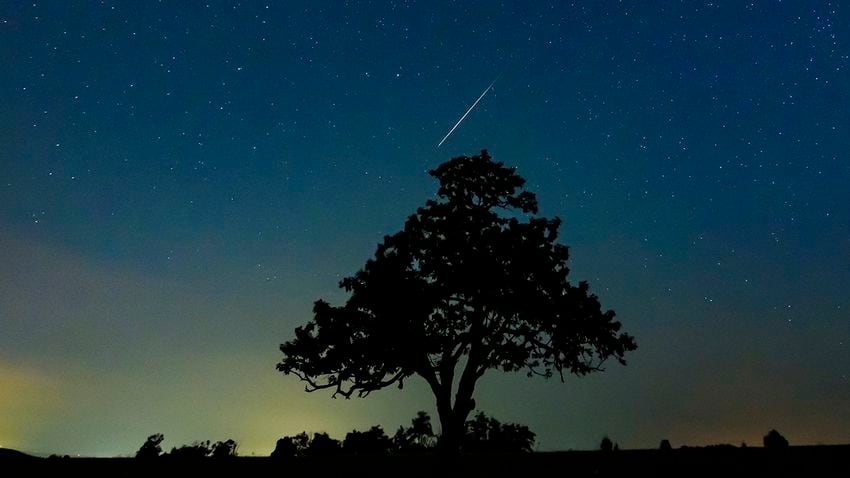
452,418
451,434
453,424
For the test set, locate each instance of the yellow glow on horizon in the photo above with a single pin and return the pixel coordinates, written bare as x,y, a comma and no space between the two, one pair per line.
28,395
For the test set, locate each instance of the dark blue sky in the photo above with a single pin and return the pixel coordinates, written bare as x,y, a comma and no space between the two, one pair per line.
179,181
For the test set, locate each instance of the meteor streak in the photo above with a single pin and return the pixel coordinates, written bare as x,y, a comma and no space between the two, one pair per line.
464,115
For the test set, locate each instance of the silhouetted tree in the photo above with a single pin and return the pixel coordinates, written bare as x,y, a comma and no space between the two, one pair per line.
486,434
420,428
198,449
478,429
322,445
665,445
473,281
151,447
774,439
290,446
606,444
371,442
402,442
224,449
302,441
418,437
514,437
721,446
284,448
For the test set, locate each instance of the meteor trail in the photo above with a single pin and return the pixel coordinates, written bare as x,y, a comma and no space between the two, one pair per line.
464,115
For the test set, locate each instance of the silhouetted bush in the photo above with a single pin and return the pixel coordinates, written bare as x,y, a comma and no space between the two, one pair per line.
151,447
606,444
665,445
774,439
198,449
371,442
486,434
483,434
291,446
721,446
322,445
224,449
204,449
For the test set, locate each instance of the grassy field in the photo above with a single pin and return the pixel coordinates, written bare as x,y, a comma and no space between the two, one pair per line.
792,461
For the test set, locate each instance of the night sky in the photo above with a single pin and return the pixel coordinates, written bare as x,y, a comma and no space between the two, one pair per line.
179,181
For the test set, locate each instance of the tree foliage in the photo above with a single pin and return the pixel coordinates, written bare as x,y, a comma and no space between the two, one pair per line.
320,444
774,439
290,446
224,449
373,441
474,281
198,449
204,449
151,448
418,437
486,434
481,434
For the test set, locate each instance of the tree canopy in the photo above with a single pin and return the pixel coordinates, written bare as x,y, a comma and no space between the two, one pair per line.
774,439
419,436
373,441
474,281
486,434
151,448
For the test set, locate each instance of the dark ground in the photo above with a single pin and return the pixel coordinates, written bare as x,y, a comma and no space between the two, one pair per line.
801,461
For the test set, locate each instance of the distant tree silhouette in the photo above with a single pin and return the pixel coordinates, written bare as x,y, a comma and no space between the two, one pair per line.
322,445
421,430
473,281
774,439
665,445
371,442
486,434
198,449
290,446
224,449
606,444
302,441
284,448
151,447
416,438
721,446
